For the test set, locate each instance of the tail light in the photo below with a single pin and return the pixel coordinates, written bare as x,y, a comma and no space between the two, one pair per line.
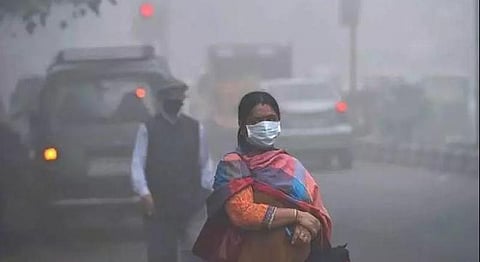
50,154
341,107
140,92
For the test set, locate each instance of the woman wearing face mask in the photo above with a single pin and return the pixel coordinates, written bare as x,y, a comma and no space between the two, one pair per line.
265,206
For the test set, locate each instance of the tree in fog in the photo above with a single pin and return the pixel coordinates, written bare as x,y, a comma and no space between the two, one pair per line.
34,13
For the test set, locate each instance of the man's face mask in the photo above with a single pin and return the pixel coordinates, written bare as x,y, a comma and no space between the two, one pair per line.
172,106
263,134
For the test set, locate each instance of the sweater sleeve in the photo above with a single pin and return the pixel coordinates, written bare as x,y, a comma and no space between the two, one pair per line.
243,212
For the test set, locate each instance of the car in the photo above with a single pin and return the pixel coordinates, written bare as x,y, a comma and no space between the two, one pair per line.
90,108
314,120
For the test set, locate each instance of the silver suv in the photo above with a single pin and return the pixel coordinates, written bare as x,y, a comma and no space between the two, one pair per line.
89,111
314,120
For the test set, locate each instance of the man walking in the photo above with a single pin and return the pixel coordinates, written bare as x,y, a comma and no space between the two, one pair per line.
171,174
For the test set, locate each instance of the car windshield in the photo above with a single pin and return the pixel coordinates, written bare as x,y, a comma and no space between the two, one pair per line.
294,92
23,99
100,100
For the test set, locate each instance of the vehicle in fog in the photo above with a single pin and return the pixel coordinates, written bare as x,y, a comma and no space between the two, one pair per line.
449,121
314,119
433,110
232,71
392,108
88,115
22,105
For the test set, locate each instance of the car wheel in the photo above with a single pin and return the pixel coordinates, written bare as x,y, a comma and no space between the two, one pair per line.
326,162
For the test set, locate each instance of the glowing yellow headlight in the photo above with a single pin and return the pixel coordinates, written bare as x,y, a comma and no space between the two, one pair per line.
50,154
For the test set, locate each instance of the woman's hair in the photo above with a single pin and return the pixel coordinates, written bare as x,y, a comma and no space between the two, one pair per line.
248,102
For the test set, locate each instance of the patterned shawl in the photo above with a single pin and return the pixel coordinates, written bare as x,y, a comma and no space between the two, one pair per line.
274,173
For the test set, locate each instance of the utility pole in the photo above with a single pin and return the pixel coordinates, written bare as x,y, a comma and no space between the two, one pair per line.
353,59
349,17
152,24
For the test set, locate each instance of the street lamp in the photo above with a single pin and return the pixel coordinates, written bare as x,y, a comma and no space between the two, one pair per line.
150,24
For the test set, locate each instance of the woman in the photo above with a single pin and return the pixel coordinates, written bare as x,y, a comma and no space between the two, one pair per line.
265,205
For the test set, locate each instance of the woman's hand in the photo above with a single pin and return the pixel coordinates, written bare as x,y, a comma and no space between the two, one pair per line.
310,222
301,235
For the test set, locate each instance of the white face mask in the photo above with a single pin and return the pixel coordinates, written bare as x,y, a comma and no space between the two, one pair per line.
263,134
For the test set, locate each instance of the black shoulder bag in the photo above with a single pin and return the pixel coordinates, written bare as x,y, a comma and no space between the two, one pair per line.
334,254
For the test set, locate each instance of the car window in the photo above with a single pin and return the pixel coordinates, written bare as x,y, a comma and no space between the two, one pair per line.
94,100
24,98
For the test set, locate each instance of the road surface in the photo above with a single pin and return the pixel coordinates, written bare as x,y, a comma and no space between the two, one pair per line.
384,212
